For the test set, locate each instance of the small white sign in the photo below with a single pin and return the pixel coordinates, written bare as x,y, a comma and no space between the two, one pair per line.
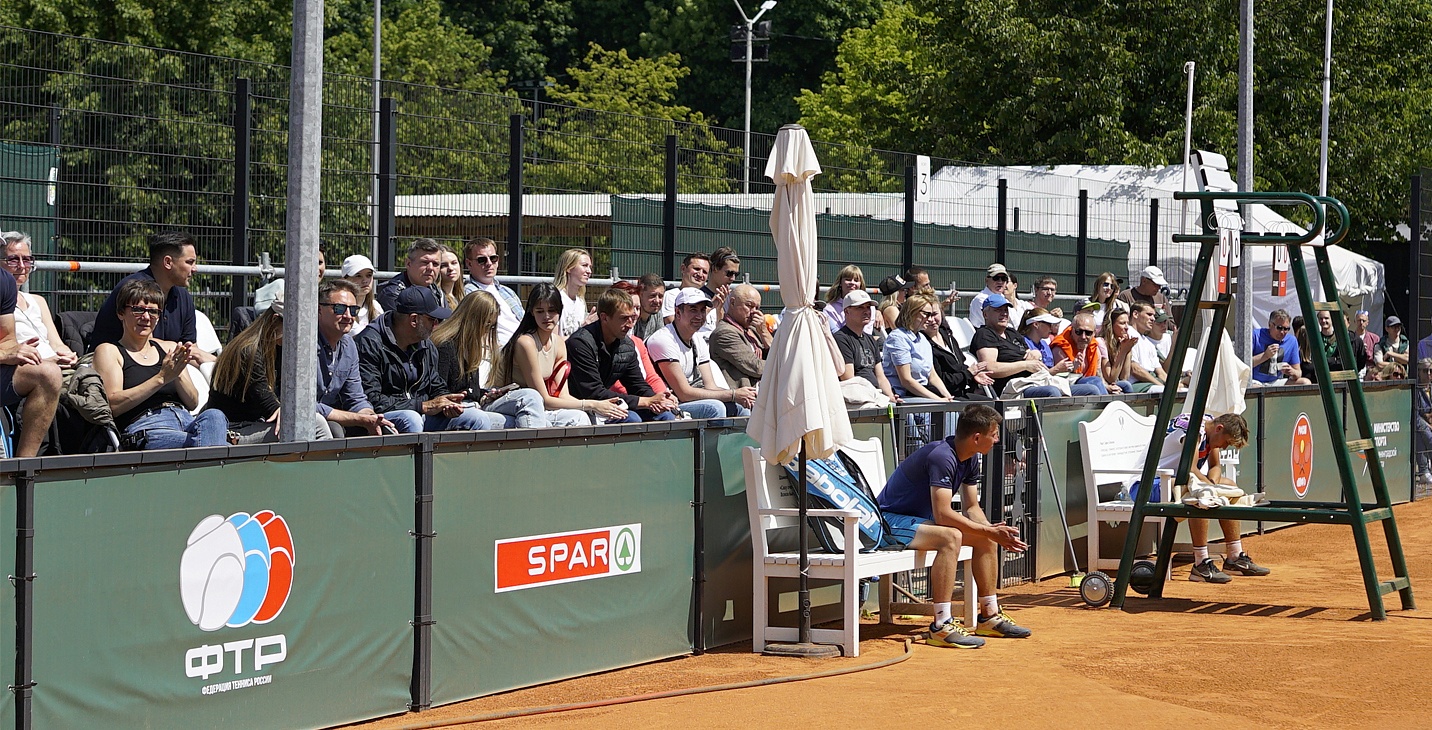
922,178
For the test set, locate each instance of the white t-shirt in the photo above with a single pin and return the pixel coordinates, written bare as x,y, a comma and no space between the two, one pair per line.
29,323
1149,353
668,309
506,318
574,311
666,346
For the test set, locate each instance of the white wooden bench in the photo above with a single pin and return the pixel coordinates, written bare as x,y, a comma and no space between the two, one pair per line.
1114,446
773,510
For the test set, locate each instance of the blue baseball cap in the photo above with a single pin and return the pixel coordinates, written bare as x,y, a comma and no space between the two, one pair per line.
995,301
421,300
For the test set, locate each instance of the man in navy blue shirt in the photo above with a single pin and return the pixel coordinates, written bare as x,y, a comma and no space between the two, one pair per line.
172,260
917,504
23,375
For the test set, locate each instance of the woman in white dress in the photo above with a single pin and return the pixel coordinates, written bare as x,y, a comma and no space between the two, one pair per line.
574,270
32,313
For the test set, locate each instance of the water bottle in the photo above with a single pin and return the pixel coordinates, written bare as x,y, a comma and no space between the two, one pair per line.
1274,363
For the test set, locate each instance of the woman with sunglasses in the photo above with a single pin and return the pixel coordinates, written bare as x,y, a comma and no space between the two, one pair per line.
247,378
1116,345
32,313
148,386
1106,291
909,361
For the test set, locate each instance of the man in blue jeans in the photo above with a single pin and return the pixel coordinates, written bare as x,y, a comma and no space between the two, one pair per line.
684,361
917,504
602,355
398,365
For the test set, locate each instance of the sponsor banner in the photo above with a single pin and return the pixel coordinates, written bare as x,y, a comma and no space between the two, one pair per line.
248,595
1302,455
564,557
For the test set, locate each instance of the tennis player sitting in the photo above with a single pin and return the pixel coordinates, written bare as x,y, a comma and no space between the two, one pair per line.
917,504
1229,430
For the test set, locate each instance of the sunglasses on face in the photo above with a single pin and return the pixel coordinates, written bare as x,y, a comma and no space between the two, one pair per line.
999,277
1281,327
485,260
929,315
341,309
1084,333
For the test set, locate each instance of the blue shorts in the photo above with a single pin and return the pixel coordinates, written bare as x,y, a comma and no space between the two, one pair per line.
903,527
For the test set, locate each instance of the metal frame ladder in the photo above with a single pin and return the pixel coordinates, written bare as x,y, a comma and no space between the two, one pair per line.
1351,510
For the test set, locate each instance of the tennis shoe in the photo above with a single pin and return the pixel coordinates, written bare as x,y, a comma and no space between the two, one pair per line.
1002,626
1244,565
953,636
1207,572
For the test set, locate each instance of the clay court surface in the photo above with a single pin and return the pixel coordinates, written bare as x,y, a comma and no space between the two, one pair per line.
1293,650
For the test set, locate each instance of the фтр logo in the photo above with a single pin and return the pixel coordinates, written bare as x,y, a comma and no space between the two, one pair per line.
236,571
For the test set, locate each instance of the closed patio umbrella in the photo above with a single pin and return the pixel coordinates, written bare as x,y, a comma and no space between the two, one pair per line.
799,411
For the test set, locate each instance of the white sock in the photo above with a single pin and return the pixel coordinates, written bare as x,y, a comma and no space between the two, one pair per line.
1234,549
989,606
1200,554
942,613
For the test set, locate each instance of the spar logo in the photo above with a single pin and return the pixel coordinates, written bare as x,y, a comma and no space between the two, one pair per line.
565,557
1302,455
236,571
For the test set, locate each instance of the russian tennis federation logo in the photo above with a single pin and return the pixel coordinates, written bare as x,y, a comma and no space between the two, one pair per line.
236,570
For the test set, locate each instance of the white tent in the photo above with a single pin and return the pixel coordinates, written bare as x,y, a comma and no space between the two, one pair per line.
1047,198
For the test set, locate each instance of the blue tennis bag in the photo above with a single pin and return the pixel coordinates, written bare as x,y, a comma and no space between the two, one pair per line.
838,483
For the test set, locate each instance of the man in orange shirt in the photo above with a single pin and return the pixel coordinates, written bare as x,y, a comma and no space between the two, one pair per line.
1077,343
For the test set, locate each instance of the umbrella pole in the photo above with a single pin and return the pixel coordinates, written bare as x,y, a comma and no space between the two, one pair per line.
803,646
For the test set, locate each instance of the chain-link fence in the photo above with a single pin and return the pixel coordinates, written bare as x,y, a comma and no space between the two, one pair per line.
1418,327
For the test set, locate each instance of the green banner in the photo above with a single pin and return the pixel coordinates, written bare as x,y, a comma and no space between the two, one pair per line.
726,597
1298,460
554,562
1388,409
7,606
253,594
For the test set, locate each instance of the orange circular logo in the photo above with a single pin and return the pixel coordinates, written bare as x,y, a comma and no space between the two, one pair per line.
1302,458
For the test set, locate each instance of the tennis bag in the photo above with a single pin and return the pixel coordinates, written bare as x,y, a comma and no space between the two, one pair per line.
838,483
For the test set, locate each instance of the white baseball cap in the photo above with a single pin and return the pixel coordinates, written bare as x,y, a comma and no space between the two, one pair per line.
857,298
1154,274
356,264
691,295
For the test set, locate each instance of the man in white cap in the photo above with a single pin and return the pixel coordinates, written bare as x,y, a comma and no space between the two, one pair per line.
481,261
996,279
1150,289
858,349
684,361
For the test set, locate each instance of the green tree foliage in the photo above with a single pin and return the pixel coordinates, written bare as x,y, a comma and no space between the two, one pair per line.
621,151
529,38
1040,82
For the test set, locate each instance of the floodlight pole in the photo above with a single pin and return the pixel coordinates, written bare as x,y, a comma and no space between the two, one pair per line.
377,131
1187,142
1327,99
298,394
746,136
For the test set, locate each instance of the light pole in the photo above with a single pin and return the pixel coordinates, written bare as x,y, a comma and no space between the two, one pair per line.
746,137
1327,99
377,132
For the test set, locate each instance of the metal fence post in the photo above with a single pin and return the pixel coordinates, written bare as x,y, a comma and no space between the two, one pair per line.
698,568
239,207
668,213
1001,223
24,683
421,689
514,193
1414,267
56,137
1081,275
1153,231
907,238
387,181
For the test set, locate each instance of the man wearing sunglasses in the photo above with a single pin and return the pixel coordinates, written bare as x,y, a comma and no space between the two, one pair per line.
340,388
481,261
996,279
1276,360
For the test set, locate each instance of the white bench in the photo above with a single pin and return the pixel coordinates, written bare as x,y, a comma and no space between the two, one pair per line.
1114,446
773,510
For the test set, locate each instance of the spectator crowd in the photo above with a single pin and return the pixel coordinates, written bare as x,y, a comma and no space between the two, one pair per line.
445,345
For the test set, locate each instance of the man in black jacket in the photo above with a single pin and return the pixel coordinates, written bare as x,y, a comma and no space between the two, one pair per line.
421,270
398,365
602,354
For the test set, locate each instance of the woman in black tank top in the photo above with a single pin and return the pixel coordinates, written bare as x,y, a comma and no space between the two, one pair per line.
147,384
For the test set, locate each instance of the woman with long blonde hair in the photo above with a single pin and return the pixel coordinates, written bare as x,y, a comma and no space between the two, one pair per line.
847,280
574,270
467,359
449,276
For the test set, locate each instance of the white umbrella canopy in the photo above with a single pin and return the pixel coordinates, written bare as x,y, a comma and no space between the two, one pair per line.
799,398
